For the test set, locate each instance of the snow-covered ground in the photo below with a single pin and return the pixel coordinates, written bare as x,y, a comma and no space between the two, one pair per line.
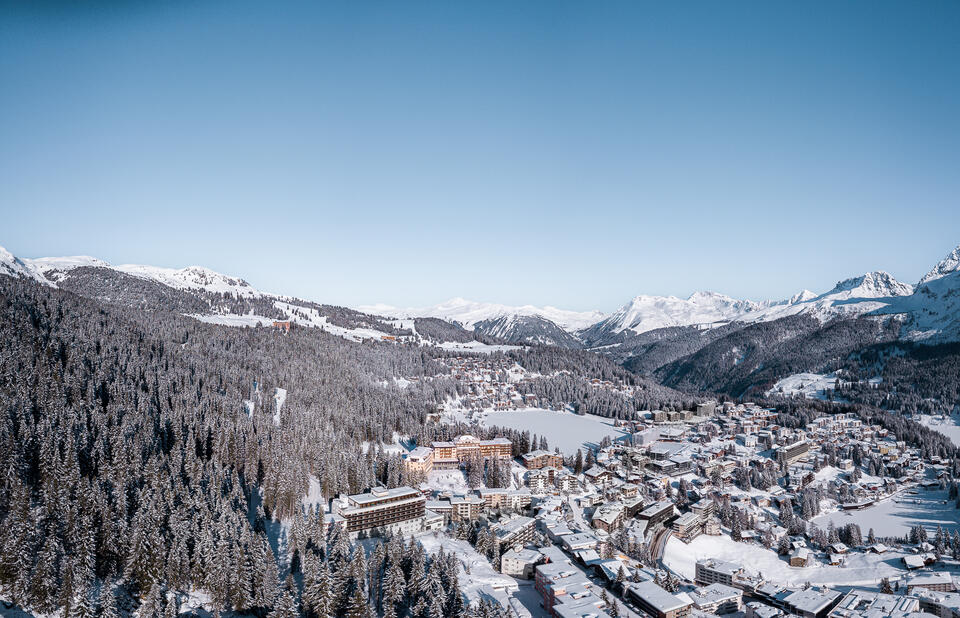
861,568
895,515
476,346
810,385
945,424
314,497
398,445
447,480
280,396
566,430
232,319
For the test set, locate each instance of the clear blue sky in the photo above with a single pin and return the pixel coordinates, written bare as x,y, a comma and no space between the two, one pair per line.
573,154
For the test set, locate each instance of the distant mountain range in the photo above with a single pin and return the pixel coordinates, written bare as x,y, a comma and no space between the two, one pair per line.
708,341
929,310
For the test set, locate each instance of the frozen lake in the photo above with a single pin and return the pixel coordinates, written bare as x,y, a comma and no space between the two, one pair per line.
563,429
945,424
895,516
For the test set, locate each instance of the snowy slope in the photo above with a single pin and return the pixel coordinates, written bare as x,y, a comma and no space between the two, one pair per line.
468,313
50,270
15,267
54,269
947,266
645,313
870,292
191,278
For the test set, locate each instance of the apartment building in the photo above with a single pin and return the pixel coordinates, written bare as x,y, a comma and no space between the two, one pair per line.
534,460
657,602
687,527
717,599
657,513
400,509
567,591
515,532
608,517
419,460
449,455
710,571
791,453
466,508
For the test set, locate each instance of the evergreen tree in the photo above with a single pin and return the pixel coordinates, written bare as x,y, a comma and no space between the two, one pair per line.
107,602
286,603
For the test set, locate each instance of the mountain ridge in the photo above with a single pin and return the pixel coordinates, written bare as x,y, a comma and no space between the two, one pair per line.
930,306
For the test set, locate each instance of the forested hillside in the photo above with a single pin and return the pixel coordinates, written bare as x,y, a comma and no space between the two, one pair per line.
145,451
750,360
128,456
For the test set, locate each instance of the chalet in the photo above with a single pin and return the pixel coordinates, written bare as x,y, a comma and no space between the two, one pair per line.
801,557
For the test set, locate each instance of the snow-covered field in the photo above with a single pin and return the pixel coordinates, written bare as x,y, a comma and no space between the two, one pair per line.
566,430
945,424
861,568
894,516
448,480
232,319
810,385
476,346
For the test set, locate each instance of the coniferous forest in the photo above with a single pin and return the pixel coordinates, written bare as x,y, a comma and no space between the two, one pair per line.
144,455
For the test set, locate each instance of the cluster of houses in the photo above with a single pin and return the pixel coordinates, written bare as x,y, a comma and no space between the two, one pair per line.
495,383
927,596
670,478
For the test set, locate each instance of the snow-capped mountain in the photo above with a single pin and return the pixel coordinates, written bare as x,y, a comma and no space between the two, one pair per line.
528,329
934,309
467,313
192,278
947,266
15,267
52,270
645,313
873,291
870,292
878,284
930,310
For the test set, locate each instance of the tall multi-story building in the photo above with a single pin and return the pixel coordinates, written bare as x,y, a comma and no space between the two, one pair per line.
400,509
688,526
466,508
786,455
